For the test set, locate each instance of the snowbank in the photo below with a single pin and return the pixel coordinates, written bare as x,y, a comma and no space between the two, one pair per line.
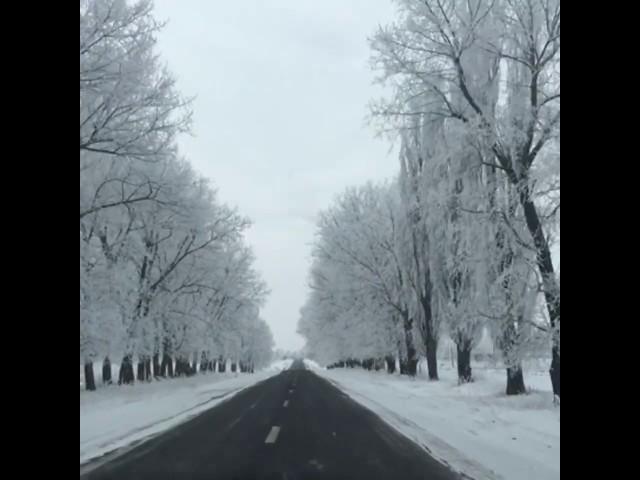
280,365
113,417
475,428
311,365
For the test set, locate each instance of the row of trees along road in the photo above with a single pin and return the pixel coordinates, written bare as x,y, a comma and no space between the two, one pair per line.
461,239
166,279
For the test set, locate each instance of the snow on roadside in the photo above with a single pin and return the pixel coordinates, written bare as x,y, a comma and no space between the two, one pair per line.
312,365
280,365
475,428
114,417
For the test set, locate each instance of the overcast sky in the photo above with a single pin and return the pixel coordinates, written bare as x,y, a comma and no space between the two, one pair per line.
281,90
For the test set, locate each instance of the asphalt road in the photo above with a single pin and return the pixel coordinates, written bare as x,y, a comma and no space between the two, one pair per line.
292,426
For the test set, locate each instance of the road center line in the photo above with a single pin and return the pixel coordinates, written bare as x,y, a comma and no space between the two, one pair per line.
233,424
273,435
285,404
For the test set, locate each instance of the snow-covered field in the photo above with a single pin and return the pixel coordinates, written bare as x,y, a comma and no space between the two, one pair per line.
475,428
113,417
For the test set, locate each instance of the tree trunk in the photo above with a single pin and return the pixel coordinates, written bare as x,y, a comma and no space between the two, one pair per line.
432,358
549,280
233,367
222,365
509,343
106,371
464,361
411,365
89,379
554,371
391,364
194,364
140,369
431,340
156,365
166,367
163,367
515,381
126,376
204,362
170,366
186,366
147,369
378,364
183,368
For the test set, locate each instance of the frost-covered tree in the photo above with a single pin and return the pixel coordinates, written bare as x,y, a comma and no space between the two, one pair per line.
165,275
358,303
491,69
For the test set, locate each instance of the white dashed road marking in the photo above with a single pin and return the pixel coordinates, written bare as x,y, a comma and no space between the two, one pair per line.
273,435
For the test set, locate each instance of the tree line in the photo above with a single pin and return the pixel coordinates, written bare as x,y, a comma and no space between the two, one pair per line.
461,239
167,282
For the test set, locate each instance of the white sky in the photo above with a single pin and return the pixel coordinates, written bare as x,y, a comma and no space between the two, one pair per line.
282,88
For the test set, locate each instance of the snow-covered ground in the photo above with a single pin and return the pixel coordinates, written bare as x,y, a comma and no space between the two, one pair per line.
280,365
113,417
475,428
311,365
